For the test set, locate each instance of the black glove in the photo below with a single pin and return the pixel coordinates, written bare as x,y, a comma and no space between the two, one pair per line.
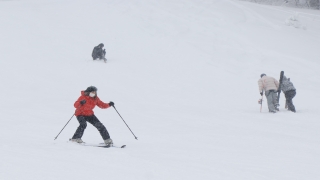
83,102
111,103
261,93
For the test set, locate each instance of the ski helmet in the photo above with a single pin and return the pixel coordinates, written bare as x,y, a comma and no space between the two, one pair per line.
263,74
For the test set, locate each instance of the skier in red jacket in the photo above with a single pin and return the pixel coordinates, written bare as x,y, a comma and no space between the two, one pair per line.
84,113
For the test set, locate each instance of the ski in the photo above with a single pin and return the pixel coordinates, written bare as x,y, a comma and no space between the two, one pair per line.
106,146
102,145
279,89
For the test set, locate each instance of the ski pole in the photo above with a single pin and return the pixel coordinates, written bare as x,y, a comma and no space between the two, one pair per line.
125,123
63,127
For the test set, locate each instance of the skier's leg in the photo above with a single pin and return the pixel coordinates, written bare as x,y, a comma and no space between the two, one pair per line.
101,128
289,96
266,94
94,57
270,101
275,100
83,124
100,54
103,54
287,102
290,104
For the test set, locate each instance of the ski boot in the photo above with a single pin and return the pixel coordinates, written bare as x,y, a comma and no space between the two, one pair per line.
108,142
78,140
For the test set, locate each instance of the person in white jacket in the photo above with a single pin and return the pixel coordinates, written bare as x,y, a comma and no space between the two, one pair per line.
270,85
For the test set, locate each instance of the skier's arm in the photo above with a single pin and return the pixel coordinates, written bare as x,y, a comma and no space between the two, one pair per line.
77,103
260,84
101,104
276,83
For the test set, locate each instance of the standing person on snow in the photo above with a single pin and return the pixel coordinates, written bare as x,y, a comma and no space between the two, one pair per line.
290,92
98,52
84,106
270,85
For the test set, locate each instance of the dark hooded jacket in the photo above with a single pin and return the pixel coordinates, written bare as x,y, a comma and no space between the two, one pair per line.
286,85
98,52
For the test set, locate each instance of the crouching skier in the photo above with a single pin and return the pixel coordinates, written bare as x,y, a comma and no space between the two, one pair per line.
98,52
84,113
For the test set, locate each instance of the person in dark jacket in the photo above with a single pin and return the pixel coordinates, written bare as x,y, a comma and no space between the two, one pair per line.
98,52
290,92
84,113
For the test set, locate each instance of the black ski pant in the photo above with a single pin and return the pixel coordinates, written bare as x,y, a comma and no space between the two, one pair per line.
95,122
289,96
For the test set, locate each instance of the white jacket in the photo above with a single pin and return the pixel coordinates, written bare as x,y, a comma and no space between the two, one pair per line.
268,83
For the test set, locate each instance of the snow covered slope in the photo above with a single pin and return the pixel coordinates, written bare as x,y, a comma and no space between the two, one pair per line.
182,73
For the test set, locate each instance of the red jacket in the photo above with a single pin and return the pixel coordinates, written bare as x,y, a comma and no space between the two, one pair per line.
87,108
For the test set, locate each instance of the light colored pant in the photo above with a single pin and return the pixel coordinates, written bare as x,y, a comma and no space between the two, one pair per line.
272,99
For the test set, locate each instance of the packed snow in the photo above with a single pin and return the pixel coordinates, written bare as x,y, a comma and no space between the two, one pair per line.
182,73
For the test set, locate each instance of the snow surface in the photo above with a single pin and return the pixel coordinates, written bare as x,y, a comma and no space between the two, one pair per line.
182,73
